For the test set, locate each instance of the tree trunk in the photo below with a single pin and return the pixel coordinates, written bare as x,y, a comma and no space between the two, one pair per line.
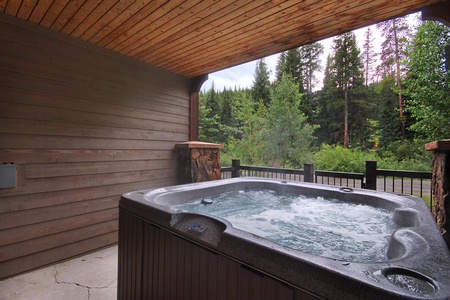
399,85
346,118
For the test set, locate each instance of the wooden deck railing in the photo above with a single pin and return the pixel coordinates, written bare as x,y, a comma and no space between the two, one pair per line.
395,181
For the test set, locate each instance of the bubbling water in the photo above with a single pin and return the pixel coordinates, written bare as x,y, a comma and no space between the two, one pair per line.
323,227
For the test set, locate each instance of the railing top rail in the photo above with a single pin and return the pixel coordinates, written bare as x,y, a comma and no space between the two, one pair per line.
408,174
340,174
273,170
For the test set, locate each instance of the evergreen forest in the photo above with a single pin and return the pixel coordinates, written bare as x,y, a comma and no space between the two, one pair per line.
371,105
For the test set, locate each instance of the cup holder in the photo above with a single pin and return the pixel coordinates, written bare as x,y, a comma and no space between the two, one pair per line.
410,281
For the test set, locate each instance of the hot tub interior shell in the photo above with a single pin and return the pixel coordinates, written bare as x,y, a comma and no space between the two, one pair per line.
161,257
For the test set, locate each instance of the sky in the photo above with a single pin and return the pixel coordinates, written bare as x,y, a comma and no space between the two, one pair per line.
241,76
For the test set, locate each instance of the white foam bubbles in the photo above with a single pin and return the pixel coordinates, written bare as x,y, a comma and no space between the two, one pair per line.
325,227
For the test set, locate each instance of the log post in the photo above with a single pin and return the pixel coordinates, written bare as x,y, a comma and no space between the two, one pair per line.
441,186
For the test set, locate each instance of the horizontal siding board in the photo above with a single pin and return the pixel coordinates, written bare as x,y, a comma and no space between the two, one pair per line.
54,255
39,200
108,104
28,232
53,128
93,56
73,169
40,185
16,82
63,142
28,247
10,110
55,212
42,156
97,79
83,125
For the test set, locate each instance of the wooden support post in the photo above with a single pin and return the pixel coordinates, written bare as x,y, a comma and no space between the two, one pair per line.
194,89
440,183
309,173
437,12
371,174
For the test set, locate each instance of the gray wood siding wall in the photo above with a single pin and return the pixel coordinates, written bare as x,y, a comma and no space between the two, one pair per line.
83,125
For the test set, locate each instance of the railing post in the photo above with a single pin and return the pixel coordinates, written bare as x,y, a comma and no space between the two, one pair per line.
371,174
309,172
236,168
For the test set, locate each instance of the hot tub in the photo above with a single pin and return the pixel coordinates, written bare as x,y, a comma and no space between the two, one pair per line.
180,243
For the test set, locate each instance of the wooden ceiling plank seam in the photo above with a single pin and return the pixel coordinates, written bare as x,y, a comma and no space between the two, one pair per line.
189,35
245,57
185,37
217,32
271,22
26,9
263,52
159,17
70,9
170,27
12,7
188,22
401,11
285,27
80,15
118,21
39,11
227,27
55,13
160,64
288,26
97,13
124,29
106,19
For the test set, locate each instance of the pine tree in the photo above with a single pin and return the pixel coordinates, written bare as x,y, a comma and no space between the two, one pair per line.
287,136
369,55
290,64
261,83
310,62
393,51
347,67
211,102
326,117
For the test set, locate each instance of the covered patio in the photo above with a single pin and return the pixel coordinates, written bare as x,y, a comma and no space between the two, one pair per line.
96,94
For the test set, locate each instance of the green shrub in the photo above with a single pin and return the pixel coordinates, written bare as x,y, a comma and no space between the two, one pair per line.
337,158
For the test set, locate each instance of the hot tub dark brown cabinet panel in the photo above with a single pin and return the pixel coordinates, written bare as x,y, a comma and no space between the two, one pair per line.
158,264
167,251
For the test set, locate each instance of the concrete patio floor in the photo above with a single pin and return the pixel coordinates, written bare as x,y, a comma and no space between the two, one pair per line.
93,276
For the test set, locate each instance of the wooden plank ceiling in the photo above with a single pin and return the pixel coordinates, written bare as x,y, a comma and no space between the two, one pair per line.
193,37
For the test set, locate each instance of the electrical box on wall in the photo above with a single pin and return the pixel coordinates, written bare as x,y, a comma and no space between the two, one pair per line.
8,175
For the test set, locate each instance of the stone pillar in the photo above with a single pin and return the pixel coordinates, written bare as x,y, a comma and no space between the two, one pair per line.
441,185
198,161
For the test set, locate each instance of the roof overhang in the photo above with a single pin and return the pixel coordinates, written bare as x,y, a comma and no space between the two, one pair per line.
196,37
